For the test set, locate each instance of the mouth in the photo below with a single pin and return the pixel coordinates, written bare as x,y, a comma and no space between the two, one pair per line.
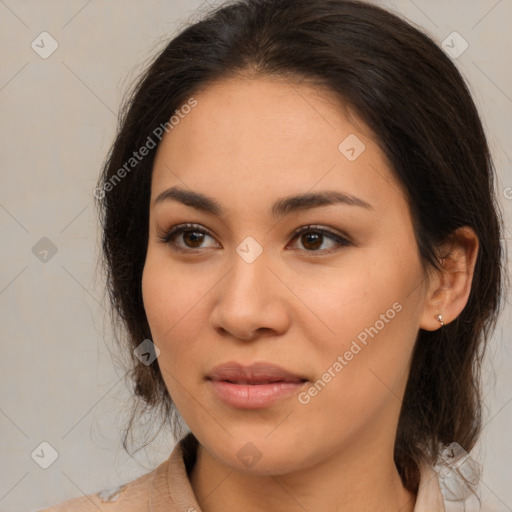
255,386
255,373
256,382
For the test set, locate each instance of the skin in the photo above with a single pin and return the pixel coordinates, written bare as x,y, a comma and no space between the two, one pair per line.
247,143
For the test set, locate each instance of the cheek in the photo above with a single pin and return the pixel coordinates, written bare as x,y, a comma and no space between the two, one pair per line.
170,298
156,294
175,307
348,300
372,309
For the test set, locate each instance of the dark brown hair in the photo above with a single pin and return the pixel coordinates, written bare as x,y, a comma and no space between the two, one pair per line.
415,101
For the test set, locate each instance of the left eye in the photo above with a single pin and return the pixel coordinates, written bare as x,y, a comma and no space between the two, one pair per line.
311,237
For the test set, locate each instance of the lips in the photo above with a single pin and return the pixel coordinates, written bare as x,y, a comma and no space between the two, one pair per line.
257,386
255,374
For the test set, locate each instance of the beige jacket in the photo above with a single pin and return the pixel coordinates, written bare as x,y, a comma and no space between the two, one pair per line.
167,489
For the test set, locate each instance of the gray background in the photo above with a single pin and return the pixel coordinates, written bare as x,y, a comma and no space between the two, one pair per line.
58,382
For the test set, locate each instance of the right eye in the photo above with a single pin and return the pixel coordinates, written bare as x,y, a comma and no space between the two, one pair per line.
193,236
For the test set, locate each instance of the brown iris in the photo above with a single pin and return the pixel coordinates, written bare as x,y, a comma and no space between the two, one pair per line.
195,238
312,240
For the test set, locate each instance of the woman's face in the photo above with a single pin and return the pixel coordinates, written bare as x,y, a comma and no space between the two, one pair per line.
337,306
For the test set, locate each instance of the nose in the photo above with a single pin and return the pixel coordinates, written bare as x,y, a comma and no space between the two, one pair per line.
250,301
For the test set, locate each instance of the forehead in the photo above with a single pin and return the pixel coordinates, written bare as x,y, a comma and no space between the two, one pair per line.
262,137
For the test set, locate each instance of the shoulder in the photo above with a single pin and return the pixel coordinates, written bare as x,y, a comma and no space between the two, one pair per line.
167,488
130,497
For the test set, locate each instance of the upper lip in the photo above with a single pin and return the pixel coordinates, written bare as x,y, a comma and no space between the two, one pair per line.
260,372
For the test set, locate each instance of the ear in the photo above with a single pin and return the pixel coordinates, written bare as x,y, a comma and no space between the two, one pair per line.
449,289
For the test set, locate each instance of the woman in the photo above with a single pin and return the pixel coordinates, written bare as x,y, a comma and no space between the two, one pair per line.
302,242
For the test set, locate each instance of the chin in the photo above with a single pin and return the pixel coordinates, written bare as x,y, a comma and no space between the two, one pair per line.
259,456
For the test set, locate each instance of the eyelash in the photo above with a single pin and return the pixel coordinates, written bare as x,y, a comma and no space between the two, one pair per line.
174,231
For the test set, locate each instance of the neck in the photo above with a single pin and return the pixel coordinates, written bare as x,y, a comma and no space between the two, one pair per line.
344,482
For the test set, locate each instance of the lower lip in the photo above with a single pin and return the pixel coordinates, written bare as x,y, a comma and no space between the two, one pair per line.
254,396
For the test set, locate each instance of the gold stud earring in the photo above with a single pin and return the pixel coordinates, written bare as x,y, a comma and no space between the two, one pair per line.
440,319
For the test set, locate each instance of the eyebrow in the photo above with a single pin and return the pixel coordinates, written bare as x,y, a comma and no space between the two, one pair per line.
281,207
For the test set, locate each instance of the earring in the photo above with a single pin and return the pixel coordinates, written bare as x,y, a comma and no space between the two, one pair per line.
440,318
